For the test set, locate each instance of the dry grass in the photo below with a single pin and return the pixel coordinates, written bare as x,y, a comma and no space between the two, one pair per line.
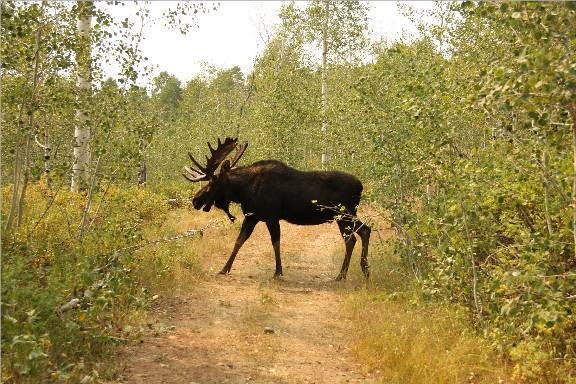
413,344
394,334
404,340
174,267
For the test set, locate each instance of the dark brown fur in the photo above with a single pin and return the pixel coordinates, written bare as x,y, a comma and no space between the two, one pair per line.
271,191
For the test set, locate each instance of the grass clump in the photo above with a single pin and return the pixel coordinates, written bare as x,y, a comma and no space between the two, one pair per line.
414,343
401,338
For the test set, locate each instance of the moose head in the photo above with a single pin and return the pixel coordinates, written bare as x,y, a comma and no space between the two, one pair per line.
216,192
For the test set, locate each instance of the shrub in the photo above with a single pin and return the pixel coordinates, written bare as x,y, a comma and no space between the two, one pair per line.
45,265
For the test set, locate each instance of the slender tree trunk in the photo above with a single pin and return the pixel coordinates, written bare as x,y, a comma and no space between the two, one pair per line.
15,190
15,186
32,109
24,184
142,173
546,190
88,204
573,114
325,85
47,151
81,155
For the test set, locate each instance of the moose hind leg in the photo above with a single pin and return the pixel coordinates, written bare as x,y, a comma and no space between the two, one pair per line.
364,231
274,229
247,227
346,229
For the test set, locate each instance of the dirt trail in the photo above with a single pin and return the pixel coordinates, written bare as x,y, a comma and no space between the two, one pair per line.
217,331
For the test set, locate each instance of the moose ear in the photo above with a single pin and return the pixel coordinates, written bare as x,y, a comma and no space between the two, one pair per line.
225,166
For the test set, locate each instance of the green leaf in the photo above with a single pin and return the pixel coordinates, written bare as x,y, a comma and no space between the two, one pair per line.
34,355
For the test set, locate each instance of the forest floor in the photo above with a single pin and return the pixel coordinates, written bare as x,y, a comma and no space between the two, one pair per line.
247,327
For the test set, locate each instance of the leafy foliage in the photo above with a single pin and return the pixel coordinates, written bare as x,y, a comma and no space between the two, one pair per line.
44,267
474,169
462,135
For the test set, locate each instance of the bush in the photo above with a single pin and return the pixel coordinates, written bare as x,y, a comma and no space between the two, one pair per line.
483,241
403,337
45,266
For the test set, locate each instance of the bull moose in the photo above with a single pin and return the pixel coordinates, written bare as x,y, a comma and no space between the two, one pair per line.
271,191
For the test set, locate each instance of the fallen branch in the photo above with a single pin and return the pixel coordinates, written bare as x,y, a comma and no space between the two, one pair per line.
72,304
88,293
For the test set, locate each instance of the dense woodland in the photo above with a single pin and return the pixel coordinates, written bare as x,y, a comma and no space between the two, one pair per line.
465,136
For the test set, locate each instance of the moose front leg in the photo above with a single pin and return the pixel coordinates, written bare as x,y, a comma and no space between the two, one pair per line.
274,229
247,227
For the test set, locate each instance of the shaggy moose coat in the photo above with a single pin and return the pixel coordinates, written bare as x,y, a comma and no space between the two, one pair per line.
270,191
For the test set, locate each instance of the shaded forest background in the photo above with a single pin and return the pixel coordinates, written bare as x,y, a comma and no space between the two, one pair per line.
465,136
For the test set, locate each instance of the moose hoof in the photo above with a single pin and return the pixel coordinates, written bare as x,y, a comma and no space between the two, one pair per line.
340,277
278,276
223,272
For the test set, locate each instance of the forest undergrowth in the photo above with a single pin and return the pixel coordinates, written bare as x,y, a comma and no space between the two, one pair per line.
68,302
464,134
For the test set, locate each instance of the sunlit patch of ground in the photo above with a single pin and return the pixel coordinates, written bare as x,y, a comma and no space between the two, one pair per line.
248,327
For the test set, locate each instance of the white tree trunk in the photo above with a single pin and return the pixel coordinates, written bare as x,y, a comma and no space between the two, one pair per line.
573,115
325,86
81,155
47,150
46,147
546,190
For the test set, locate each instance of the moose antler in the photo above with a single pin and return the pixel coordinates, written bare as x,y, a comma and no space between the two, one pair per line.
217,156
239,152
